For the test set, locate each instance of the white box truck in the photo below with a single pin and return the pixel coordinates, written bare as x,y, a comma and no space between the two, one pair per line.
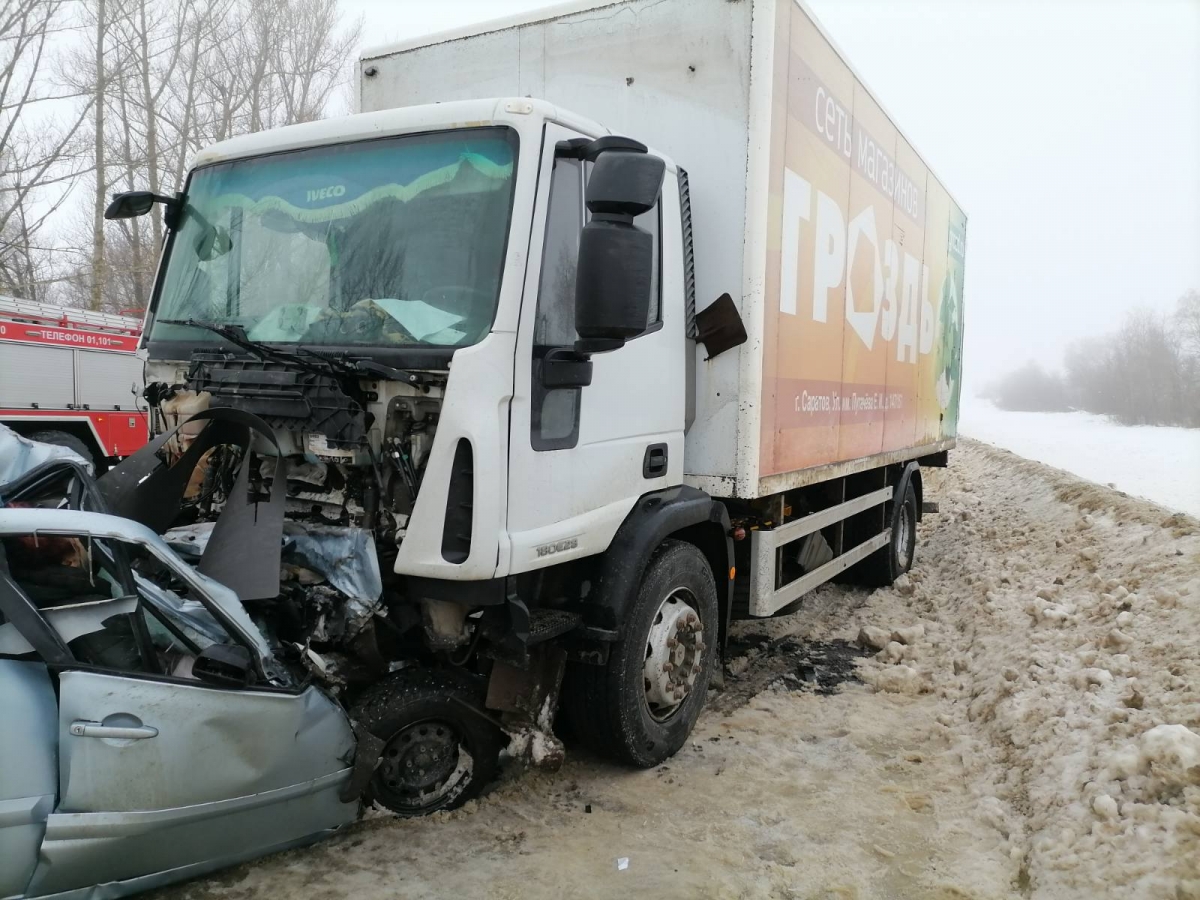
599,327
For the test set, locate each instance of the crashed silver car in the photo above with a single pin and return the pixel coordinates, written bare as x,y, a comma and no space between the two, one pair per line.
154,730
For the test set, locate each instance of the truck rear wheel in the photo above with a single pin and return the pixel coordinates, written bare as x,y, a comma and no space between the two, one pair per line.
891,561
640,708
439,748
64,439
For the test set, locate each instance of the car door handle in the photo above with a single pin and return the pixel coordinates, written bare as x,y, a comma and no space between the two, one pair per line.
83,728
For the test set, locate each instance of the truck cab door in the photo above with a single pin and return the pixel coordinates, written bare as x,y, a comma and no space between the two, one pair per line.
580,455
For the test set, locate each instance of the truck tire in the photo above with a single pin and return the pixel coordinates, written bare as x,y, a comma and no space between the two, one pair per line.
64,439
640,708
439,748
889,562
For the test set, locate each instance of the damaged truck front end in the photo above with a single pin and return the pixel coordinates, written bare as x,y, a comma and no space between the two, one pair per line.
315,452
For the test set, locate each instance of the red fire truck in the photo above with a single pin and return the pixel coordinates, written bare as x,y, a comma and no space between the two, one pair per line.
72,377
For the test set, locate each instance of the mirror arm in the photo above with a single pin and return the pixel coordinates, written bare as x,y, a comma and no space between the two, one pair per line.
566,367
172,209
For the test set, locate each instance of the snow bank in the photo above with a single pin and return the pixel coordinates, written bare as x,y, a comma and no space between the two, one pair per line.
1062,634
1160,464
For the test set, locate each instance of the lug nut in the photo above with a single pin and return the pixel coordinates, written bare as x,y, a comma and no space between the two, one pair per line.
672,643
679,693
668,667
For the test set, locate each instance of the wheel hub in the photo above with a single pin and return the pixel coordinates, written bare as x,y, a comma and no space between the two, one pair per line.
424,762
674,650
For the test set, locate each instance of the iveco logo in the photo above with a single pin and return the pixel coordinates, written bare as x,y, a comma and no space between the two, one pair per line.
334,190
557,547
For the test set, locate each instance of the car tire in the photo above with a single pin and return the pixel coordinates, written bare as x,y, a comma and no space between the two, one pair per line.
616,709
64,439
439,748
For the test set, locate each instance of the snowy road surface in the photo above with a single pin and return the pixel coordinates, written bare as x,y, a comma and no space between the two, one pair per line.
1158,463
1034,732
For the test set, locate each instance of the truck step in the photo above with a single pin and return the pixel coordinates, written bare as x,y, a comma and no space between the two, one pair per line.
545,624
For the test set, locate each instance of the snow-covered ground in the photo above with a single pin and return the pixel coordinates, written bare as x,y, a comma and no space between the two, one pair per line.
1160,464
1030,728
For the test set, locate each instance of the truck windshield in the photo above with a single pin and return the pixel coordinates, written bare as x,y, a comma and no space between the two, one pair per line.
396,241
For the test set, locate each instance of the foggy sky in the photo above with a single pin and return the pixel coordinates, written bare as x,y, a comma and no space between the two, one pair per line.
1069,131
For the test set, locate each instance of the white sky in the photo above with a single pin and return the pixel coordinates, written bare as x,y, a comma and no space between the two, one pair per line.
1069,131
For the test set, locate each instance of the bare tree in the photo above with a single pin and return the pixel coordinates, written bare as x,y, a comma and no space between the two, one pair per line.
169,77
1187,323
39,156
1142,374
100,86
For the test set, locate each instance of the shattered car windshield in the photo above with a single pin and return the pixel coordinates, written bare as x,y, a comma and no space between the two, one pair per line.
391,242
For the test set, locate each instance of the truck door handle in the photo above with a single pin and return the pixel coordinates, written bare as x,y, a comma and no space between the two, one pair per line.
83,728
654,463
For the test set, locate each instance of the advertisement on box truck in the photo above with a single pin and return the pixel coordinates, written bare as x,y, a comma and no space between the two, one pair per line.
862,350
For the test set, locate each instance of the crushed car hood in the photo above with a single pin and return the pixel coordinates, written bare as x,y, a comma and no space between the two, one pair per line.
19,455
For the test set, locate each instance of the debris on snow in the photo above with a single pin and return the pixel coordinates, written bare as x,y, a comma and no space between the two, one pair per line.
875,638
896,680
909,635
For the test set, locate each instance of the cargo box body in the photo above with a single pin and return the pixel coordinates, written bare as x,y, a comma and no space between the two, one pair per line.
841,249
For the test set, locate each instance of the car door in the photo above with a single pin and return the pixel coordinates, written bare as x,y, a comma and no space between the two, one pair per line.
581,456
28,774
162,776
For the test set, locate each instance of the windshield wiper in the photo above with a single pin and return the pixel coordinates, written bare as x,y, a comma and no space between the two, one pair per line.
364,366
236,335
355,367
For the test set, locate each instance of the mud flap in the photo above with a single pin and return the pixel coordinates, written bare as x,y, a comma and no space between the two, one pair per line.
528,699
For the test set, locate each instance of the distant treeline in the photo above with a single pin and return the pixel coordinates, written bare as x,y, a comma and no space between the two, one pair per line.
1147,372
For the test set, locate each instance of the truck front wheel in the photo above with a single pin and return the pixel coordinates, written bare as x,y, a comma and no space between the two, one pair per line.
640,708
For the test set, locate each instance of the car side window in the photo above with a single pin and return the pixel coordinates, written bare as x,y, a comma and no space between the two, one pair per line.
113,603
554,421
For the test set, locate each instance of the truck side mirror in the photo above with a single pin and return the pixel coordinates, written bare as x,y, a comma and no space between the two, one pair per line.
616,261
131,204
